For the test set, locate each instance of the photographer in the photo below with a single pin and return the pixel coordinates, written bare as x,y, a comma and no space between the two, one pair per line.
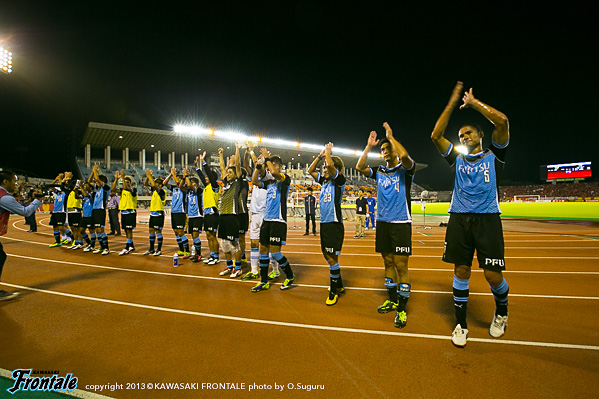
8,205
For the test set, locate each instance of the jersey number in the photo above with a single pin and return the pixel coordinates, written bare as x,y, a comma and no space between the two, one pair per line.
327,197
487,177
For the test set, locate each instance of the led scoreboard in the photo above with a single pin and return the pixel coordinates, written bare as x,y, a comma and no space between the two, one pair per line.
566,171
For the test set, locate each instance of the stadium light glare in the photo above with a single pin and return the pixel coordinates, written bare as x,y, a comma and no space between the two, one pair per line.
462,149
5,60
316,147
241,137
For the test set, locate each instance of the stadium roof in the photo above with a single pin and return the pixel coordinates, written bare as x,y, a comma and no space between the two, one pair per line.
118,137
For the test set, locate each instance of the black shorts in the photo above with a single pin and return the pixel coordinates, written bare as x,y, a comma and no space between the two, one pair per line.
273,233
58,219
74,219
467,232
211,222
331,238
99,218
156,222
86,223
128,220
178,221
228,227
244,222
194,225
393,238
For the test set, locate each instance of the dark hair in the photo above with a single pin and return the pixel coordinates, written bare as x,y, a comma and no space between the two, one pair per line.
103,179
338,163
7,175
383,141
159,181
310,189
276,159
476,127
194,180
369,191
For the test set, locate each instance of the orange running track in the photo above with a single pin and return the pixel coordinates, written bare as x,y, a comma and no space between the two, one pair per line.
135,320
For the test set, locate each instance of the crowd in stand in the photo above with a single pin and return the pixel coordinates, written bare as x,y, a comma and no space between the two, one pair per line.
580,190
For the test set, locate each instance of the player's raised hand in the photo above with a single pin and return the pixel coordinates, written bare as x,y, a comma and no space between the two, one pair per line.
328,148
388,130
264,152
372,140
456,93
468,99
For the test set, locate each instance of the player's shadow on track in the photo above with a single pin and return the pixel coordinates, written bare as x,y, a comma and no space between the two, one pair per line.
65,280
479,312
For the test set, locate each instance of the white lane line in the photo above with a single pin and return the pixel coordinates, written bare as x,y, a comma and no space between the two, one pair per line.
169,234
308,326
378,255
298,285
474,270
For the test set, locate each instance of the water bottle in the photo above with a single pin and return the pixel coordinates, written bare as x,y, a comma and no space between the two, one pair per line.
176,260
193,251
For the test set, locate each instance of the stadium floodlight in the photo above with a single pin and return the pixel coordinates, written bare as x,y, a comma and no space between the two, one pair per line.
5,60
240,137
316,147
234,136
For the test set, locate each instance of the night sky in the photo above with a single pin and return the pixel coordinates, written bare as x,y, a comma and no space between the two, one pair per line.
302,71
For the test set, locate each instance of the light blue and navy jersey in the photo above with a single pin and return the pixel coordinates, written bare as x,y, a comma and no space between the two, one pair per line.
178,201
60,204
476,179
393,193
194,203
331,193
87,206
276,198
371,204
101,196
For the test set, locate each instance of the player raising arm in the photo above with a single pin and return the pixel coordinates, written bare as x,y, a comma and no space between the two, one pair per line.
474,222
332,231
394,220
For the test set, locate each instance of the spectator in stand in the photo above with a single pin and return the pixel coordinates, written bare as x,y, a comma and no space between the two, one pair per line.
361,208
310,210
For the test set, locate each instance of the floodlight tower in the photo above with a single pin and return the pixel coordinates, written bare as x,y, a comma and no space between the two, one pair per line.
5,60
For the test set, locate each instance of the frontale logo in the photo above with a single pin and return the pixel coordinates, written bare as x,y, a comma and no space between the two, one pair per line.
24,382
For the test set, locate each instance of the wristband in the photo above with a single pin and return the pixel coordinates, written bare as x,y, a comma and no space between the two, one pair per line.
267,160
259,166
